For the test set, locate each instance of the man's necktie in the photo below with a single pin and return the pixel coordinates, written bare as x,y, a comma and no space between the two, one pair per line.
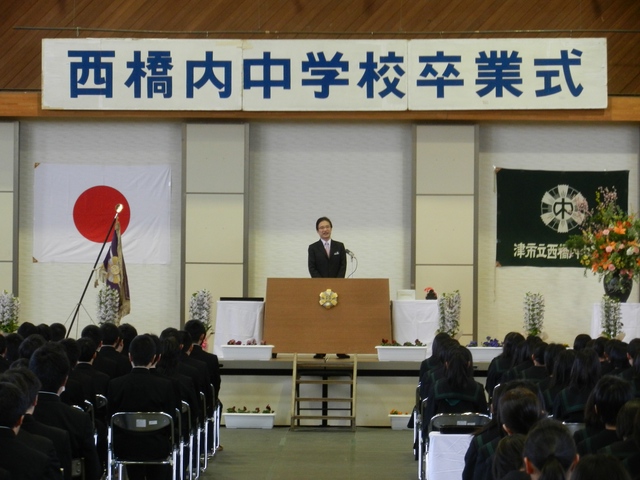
327,248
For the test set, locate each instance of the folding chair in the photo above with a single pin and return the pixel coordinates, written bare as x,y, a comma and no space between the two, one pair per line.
421,438
186,442
574,427
140,422
448,439
416,412
203,437
215,420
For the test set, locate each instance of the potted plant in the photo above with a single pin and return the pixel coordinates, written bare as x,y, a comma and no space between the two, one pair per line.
250,350
9,312
611,321
390,351
245,418
449,313
486,351
533,313
399,420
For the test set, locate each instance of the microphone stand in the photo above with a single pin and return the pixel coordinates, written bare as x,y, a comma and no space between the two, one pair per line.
106,239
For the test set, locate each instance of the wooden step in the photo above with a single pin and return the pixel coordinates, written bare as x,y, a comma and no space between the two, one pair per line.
321,399
324,382
323,417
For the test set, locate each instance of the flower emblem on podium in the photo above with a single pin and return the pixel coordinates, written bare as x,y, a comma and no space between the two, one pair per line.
328,299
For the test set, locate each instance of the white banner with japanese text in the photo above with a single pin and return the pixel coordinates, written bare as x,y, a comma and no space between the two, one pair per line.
324,75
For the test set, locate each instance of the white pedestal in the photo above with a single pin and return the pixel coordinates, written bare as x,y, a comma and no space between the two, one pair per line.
401,354
249,420
415,320
237,320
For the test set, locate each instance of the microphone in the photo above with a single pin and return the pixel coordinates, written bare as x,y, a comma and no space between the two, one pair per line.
349,252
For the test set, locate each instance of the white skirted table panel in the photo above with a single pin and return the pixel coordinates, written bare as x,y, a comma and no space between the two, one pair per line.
237,320
415,319
630,320
445,459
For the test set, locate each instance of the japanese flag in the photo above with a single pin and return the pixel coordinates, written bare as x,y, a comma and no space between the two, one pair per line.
75,205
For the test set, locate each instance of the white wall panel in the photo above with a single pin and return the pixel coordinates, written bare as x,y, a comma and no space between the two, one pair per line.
444,229
445,159
214,228
359,175
6,230
215,158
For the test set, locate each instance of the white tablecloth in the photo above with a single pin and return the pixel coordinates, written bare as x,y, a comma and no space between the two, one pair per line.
237,320
630,320
445,459
415,319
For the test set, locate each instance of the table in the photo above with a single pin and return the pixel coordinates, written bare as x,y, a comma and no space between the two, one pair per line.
630,320
415,319
237,320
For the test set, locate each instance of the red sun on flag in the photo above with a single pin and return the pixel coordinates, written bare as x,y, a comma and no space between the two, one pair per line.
95,209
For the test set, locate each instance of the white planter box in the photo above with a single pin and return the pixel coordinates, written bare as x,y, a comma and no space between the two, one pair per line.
246,352
484,354
399,422
401,354
249,420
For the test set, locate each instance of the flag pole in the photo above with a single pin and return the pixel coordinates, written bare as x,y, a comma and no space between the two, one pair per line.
118,208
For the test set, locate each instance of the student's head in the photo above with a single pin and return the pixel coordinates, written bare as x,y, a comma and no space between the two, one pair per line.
511,341
459,367
580,341
26,329
13,404
13,345
110,334
519,409
86,349
196,329
128,332
142,350
598,346
185,340
438,342
598,467
538,353
549,451
94,333
58,331
562,368
585,371
508,455
45,331
626,417
26,380
30,345
51,365
609,395
551,354
617,354
70,346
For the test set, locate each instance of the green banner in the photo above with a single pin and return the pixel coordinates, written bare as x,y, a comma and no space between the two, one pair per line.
536,213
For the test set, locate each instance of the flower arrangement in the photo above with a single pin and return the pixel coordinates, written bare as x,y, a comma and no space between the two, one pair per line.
200,308
430,294
266,409
609,241
397,412
533,313
489,342
393,343
9,312
248,342
108,305
449,313
611,321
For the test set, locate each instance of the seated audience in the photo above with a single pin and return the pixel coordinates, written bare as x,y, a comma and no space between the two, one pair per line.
625,446
502,362
508,457
569,404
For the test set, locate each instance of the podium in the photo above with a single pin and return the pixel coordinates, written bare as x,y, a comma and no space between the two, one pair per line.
296,322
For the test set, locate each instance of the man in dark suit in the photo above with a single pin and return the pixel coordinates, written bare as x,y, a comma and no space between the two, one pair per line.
51,366
112,346
139,391
20,460
327,257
